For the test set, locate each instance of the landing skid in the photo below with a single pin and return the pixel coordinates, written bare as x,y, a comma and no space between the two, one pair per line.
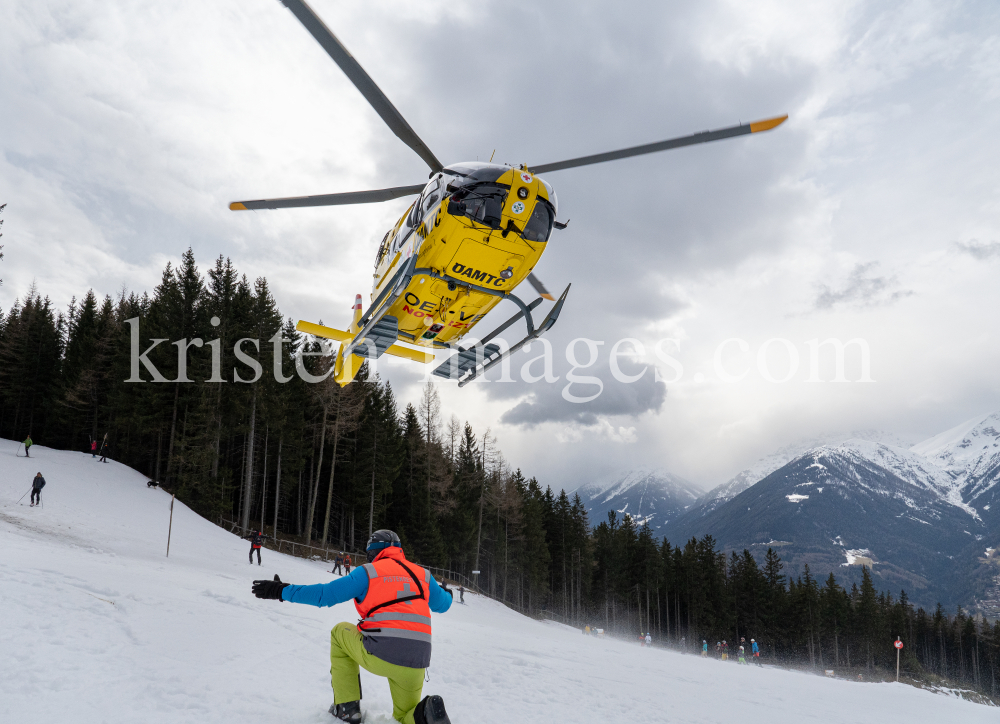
378,331
473,362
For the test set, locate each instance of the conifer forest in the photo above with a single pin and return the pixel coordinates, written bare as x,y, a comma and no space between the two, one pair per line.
236,431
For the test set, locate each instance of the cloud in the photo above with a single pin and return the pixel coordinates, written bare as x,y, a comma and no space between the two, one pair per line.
980,250
546,402
862,289
128,127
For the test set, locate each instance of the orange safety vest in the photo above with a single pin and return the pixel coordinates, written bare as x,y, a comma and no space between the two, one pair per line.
395,613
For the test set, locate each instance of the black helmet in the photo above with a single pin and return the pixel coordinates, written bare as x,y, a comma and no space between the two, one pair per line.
380,540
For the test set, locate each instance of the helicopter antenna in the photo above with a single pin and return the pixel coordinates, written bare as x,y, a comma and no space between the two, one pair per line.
492,155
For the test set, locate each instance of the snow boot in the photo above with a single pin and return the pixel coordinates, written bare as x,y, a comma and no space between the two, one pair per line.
349,711
431,711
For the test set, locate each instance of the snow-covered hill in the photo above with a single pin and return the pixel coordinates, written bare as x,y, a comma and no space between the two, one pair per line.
651,497
97,625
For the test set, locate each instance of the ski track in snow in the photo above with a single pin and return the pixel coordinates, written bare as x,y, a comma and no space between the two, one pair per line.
99,626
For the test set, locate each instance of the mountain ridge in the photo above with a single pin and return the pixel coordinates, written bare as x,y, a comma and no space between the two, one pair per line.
651,496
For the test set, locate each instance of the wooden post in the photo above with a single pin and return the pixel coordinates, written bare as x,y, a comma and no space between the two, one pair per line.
171,526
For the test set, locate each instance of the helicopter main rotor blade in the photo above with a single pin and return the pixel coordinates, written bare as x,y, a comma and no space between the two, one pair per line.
362,81
703,137
539,287
343,199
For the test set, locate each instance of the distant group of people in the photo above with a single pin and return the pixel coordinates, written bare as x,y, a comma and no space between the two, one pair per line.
102,450
94,449
38,482
342,564
722,650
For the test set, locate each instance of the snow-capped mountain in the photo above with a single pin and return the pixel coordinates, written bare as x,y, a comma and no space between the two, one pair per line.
970,455
922,516
860,502
769,463
648,496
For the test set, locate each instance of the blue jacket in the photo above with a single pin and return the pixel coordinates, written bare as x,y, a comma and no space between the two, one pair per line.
755,649
353,586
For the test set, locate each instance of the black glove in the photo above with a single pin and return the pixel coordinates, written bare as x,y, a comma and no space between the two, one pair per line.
269,589
444,585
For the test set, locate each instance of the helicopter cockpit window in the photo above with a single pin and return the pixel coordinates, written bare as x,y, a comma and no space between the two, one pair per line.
539,226
383,248
484,203
413,218
428,197
475,174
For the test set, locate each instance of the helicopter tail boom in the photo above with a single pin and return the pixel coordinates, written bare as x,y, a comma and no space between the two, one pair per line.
338,335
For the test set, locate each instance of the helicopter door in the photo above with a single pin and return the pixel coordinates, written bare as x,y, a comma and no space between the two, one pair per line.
484,266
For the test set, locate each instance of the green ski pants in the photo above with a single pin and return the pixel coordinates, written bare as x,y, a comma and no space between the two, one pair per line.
347,653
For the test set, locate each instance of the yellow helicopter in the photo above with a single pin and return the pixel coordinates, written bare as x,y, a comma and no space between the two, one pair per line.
475,232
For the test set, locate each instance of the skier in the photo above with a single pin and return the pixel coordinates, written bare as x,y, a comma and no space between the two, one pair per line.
704,648
394,643
649,640
742,656
93,448
338,562
755,651
718,649
36,490
256,540
27,444
347,564
725,651
461,593
104,449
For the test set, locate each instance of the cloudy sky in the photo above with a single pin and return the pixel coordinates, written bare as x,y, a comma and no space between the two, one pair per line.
872,214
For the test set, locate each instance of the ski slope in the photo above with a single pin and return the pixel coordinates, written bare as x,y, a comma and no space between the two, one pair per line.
97,625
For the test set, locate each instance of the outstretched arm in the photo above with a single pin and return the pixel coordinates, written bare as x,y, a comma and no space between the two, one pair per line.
325,594
440,598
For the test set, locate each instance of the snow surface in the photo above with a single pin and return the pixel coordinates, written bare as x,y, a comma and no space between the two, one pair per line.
859,556
97,625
